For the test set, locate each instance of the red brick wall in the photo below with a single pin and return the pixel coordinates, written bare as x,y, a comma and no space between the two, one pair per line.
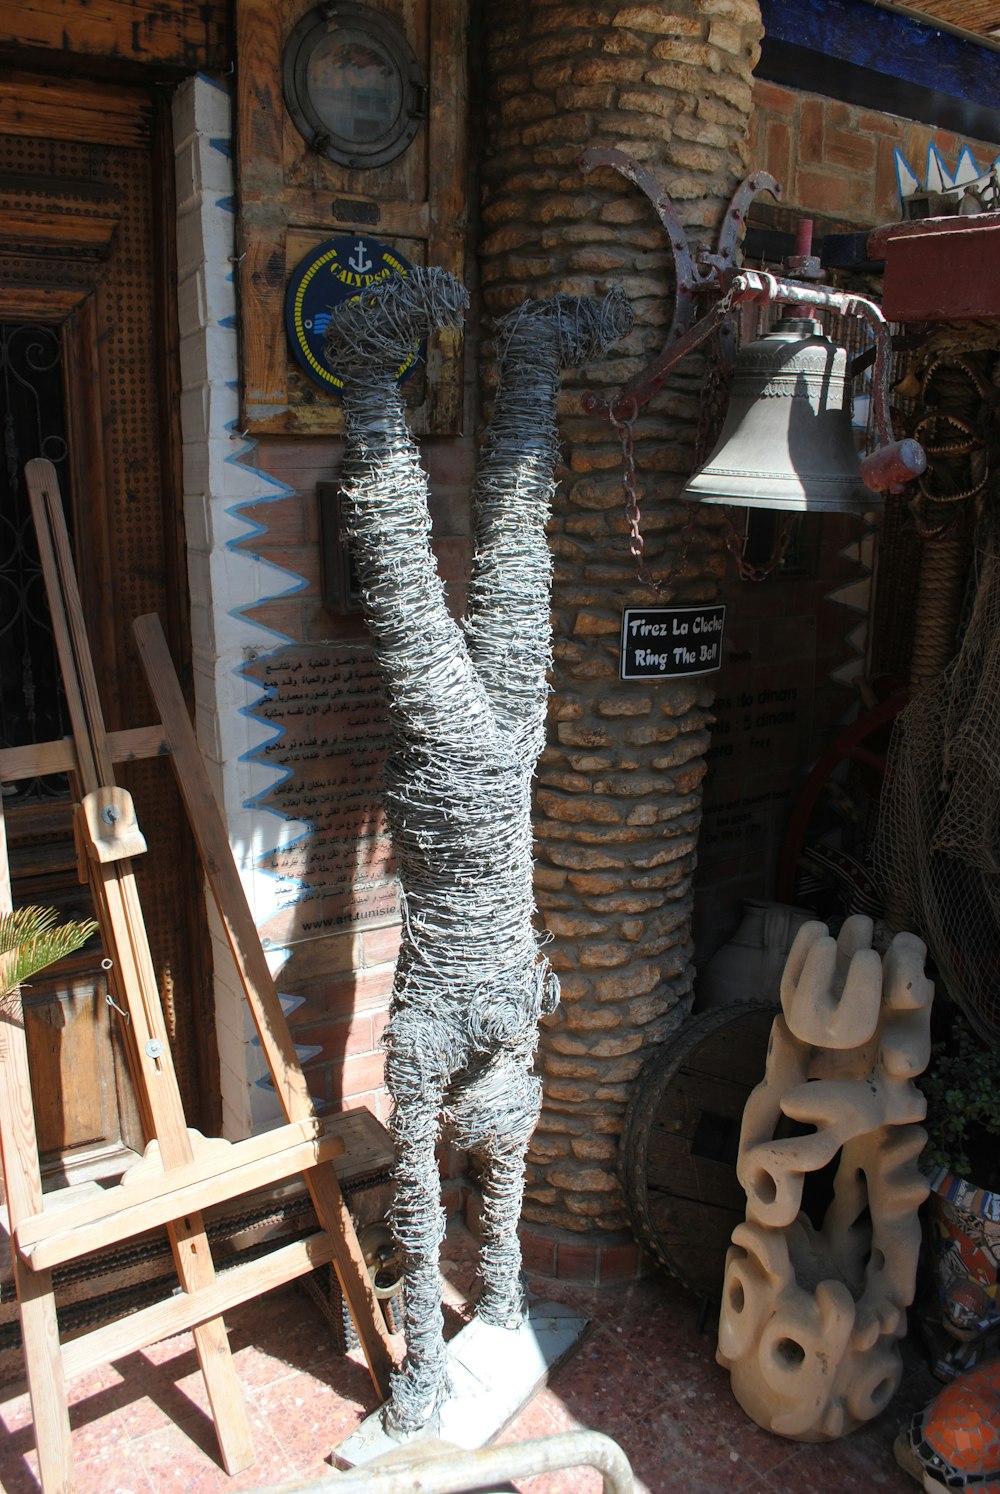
838,160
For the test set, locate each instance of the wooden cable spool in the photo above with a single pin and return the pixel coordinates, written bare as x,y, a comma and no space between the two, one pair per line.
680,1141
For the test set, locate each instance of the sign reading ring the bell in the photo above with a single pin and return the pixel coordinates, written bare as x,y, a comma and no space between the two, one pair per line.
334,272
664,643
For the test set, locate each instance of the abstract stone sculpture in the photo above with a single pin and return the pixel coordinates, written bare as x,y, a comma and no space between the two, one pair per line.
813,1307
467,714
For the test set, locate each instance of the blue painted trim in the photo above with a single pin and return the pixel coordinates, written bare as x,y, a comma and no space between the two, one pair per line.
883,41
799,67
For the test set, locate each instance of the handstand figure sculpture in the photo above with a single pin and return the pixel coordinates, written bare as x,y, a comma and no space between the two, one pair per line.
467,724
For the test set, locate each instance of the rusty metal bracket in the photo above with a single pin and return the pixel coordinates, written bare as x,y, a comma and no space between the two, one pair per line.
698,274
704,273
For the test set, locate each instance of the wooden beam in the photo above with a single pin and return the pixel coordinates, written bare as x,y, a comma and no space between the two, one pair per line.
23,1181
57,109
38,758
177,34
940,269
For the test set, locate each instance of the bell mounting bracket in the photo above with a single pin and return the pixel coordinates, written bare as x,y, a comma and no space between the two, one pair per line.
702,273
698,273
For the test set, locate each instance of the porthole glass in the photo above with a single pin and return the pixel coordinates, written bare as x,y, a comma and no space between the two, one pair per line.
353,84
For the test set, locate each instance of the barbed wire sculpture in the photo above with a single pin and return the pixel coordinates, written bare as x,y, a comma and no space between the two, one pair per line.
467,710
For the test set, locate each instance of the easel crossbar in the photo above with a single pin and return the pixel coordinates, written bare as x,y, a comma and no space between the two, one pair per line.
224,1171
188,1310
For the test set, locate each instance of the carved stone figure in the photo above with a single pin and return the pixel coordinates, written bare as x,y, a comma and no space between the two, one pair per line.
815,1294
466,708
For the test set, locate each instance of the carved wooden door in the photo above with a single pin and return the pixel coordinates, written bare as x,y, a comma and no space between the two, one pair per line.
85,360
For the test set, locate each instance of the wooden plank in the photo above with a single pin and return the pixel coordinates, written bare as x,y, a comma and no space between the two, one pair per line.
262,298
890,46
35,758
177,1314
50,228
82,700
57,109
697,1234
178,34
354,1138
22,1178
258,984
43,303
446,245
262,221
673,1168
258,104
51,1240
311,210
690,1095
879,238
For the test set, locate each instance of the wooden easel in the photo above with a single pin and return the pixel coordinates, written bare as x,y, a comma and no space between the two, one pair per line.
181,1173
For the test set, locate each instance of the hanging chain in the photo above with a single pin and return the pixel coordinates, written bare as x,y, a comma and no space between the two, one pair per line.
736,542
623,414
624,424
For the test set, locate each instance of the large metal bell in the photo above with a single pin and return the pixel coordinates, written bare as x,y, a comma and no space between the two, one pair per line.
787,441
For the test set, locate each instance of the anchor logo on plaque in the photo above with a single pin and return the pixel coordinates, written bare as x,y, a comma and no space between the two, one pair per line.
359,260
333,272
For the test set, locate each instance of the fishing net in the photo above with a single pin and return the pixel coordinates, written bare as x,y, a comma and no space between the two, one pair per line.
937,846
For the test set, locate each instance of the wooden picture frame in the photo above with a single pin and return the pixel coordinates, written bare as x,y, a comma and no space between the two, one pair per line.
292,198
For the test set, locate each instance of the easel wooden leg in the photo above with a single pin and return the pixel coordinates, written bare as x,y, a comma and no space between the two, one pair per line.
120,917
23,1180
225,1395
46,1386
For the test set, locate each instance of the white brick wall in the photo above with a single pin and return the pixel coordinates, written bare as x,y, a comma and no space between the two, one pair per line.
219,480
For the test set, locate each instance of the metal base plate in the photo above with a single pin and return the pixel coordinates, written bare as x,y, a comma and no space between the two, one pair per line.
494,1372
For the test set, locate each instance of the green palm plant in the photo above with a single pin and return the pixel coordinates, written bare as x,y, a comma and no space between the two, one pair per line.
31,938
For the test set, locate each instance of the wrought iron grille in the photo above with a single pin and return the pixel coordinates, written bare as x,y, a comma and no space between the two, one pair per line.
32,411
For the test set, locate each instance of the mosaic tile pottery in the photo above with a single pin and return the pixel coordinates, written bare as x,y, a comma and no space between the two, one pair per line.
954,1442
964,1231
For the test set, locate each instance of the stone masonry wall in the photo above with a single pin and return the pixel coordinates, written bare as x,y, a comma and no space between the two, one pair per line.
618,799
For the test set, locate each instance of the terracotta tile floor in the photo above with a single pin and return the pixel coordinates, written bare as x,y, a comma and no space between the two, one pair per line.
643,1373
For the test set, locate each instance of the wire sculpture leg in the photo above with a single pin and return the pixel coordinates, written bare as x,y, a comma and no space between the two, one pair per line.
501,1148
507,623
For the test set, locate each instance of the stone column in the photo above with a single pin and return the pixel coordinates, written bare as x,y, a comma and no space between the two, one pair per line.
618,796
